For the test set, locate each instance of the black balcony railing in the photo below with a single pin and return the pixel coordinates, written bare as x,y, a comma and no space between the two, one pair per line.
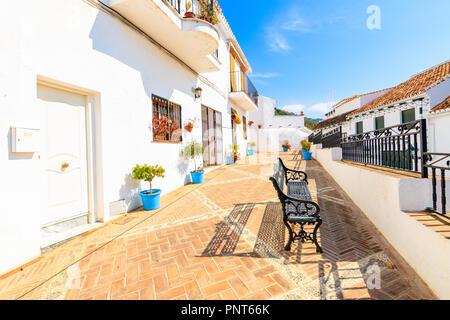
201,9
332,139
438,163
176,4
315,138
400,147
240,82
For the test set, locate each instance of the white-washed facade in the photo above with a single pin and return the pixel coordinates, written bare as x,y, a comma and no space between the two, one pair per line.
79,83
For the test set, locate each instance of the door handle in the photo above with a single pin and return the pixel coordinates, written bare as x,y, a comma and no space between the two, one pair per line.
65,165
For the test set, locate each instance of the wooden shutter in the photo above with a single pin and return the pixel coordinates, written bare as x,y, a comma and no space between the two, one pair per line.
233,72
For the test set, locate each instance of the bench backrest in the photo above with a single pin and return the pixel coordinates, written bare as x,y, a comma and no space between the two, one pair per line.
279,174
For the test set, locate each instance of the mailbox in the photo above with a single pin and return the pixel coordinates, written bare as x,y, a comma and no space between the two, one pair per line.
24,140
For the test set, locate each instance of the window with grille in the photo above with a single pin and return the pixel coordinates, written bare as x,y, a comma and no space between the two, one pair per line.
359,128
408,115
166,120
379,123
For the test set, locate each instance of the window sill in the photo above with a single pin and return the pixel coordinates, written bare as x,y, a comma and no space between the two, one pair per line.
167,142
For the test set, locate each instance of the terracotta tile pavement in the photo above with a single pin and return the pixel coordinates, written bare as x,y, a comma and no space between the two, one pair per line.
223,240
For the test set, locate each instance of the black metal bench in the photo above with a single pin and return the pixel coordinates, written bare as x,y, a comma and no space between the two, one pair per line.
298,206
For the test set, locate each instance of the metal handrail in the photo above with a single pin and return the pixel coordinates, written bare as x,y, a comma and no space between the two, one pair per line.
398,147
443,156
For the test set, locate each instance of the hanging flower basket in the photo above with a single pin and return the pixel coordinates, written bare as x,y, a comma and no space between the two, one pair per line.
189,127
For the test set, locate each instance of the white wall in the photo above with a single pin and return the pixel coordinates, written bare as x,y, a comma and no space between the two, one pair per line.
392,116
275,130
439,132
381,197
347,107
74,44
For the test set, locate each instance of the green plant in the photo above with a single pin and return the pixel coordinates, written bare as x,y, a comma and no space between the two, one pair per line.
251,144
286,145
306,145
234,152
192,151
148,173
209,14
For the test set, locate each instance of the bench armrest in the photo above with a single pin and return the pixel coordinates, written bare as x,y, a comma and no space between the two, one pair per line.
300,207
295,175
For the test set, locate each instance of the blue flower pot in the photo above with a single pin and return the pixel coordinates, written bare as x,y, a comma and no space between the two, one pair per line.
285,149
151,201
251,152
230,160
307,155
197,177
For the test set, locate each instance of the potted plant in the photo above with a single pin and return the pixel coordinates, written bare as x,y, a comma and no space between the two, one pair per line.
189,126
251,145
286,146
234,154
192,151
306,146
208,13
150,198
189,14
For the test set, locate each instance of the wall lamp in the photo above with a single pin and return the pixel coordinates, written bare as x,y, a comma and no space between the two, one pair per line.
197,92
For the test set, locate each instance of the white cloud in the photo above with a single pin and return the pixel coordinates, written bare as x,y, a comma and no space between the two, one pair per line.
277,42
295,108
323,107
317,109
296,24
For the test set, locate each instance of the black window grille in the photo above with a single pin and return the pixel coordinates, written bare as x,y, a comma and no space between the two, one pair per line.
166,122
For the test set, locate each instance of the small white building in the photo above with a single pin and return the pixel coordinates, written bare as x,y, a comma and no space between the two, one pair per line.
409,101
336,119
84,89
270,131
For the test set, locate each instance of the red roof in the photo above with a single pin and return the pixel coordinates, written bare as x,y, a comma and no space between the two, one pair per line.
418,84
444,105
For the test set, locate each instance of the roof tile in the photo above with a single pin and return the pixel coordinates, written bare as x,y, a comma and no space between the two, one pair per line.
444,105
418,84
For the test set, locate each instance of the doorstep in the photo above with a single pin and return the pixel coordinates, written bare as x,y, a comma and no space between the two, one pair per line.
51,241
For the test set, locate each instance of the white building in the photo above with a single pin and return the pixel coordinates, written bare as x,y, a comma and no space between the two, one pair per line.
337,117
409,101
270,131
81,84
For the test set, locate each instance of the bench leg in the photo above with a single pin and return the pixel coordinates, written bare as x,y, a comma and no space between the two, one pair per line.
318,248
291,236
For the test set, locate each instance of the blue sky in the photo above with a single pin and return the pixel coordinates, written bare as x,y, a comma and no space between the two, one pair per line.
310,53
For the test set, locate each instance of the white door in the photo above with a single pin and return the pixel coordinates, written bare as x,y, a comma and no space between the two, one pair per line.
63,154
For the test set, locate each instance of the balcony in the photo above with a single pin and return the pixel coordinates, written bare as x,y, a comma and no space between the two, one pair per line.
188,33
243,93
